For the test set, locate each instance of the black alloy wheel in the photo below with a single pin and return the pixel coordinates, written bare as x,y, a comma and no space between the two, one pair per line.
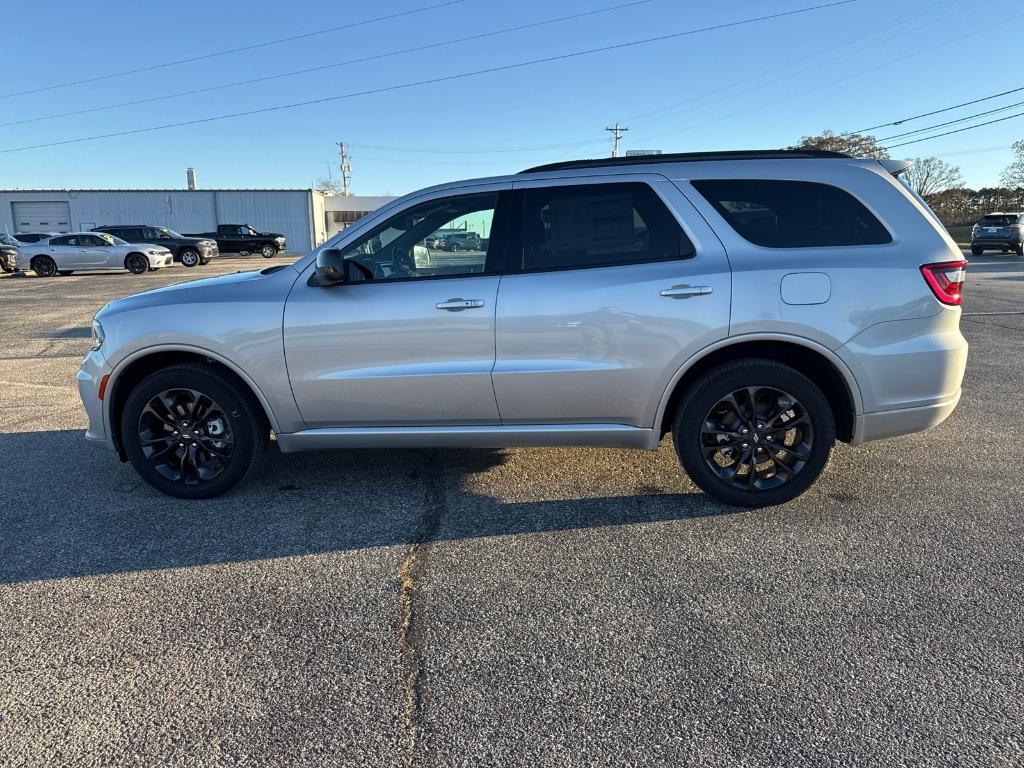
44,266
757,438
192,431
136,263
754,432
186,436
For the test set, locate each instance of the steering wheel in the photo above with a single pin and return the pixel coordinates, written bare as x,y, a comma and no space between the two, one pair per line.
402,258
365,271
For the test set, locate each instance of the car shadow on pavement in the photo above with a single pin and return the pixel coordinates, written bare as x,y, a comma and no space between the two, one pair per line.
69,510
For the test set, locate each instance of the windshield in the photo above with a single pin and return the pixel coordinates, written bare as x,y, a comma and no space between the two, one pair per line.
111,239
171,233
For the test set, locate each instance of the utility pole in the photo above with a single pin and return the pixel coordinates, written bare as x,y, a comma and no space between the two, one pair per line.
617,133
346,169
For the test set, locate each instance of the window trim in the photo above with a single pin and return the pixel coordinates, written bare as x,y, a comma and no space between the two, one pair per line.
714,206
516,251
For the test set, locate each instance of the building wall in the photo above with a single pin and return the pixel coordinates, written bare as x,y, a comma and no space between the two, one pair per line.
288,211
340,211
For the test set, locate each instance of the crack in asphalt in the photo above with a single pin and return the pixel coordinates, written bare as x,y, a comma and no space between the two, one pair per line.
411,629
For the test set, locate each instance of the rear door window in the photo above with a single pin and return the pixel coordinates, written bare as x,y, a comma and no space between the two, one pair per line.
595,225
792,214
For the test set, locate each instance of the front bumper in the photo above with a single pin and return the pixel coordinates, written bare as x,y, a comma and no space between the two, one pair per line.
94,367
160,260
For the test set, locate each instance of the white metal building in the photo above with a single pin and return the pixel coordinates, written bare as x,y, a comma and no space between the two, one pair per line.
299,214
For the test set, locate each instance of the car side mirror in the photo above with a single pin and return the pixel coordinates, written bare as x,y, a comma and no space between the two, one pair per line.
330,267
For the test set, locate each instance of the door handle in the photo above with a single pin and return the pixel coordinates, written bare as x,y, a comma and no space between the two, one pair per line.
686,291
457,305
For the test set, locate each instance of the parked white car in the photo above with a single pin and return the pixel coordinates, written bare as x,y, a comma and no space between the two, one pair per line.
80,251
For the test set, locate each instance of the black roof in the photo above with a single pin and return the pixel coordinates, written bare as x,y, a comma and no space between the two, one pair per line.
691,157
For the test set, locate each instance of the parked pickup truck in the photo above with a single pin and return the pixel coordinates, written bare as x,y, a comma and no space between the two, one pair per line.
243,239
190,251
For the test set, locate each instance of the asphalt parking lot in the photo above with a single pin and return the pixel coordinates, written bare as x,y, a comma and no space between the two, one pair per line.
516,607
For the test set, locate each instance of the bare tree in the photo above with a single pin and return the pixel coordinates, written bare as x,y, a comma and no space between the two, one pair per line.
856,144
327,186
929,176
1013,174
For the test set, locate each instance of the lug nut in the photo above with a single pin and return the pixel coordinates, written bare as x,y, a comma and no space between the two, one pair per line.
760,450
768,437
745,445
760,426
744,431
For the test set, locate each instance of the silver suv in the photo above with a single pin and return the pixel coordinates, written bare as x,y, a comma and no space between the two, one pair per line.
756,305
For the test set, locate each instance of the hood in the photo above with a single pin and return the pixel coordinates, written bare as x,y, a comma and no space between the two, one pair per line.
207,289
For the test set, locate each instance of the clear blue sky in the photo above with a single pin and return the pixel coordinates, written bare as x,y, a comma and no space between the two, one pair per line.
761,85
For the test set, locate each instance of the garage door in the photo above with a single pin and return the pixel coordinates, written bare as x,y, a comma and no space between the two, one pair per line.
41,216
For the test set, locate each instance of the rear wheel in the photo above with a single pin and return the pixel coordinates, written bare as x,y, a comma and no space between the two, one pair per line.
977,251
136,263
244,253
189,257
754,432
1019,250
44,266
192,432
268,251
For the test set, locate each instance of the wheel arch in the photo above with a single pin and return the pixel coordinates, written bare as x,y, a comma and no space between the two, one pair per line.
136,367
815,361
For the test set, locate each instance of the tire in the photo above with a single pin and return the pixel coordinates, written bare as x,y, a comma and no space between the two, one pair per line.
136,263
787,467
268,251
977,251
454,248
244,253
1019,250
44,266
65,271
189,257
160,461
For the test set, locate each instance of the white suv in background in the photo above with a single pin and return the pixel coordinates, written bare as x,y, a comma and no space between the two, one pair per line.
757,306
81,251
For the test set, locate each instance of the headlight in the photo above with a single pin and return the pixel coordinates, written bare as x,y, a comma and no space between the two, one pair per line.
154,253
97,335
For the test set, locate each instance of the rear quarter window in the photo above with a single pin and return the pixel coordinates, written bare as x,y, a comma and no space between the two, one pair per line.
792,214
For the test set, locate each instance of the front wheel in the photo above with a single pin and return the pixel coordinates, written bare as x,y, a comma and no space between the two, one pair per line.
44,266
268,251
189,258
192,432
754,432
136,263
1019,250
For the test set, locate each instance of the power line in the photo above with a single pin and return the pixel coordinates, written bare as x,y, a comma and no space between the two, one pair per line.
430,81
934,112
958,130
321,67
215,54
953,122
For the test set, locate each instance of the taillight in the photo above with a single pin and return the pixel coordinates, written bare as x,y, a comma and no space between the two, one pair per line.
946,279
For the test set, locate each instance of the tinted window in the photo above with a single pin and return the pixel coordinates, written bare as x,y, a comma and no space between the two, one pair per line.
61,241
997,221
597,225
793,214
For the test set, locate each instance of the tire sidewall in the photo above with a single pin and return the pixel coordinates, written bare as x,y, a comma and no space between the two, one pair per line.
268,251
191,255
708,390
243,420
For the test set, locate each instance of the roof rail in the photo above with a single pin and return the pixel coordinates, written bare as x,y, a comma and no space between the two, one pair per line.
691,157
